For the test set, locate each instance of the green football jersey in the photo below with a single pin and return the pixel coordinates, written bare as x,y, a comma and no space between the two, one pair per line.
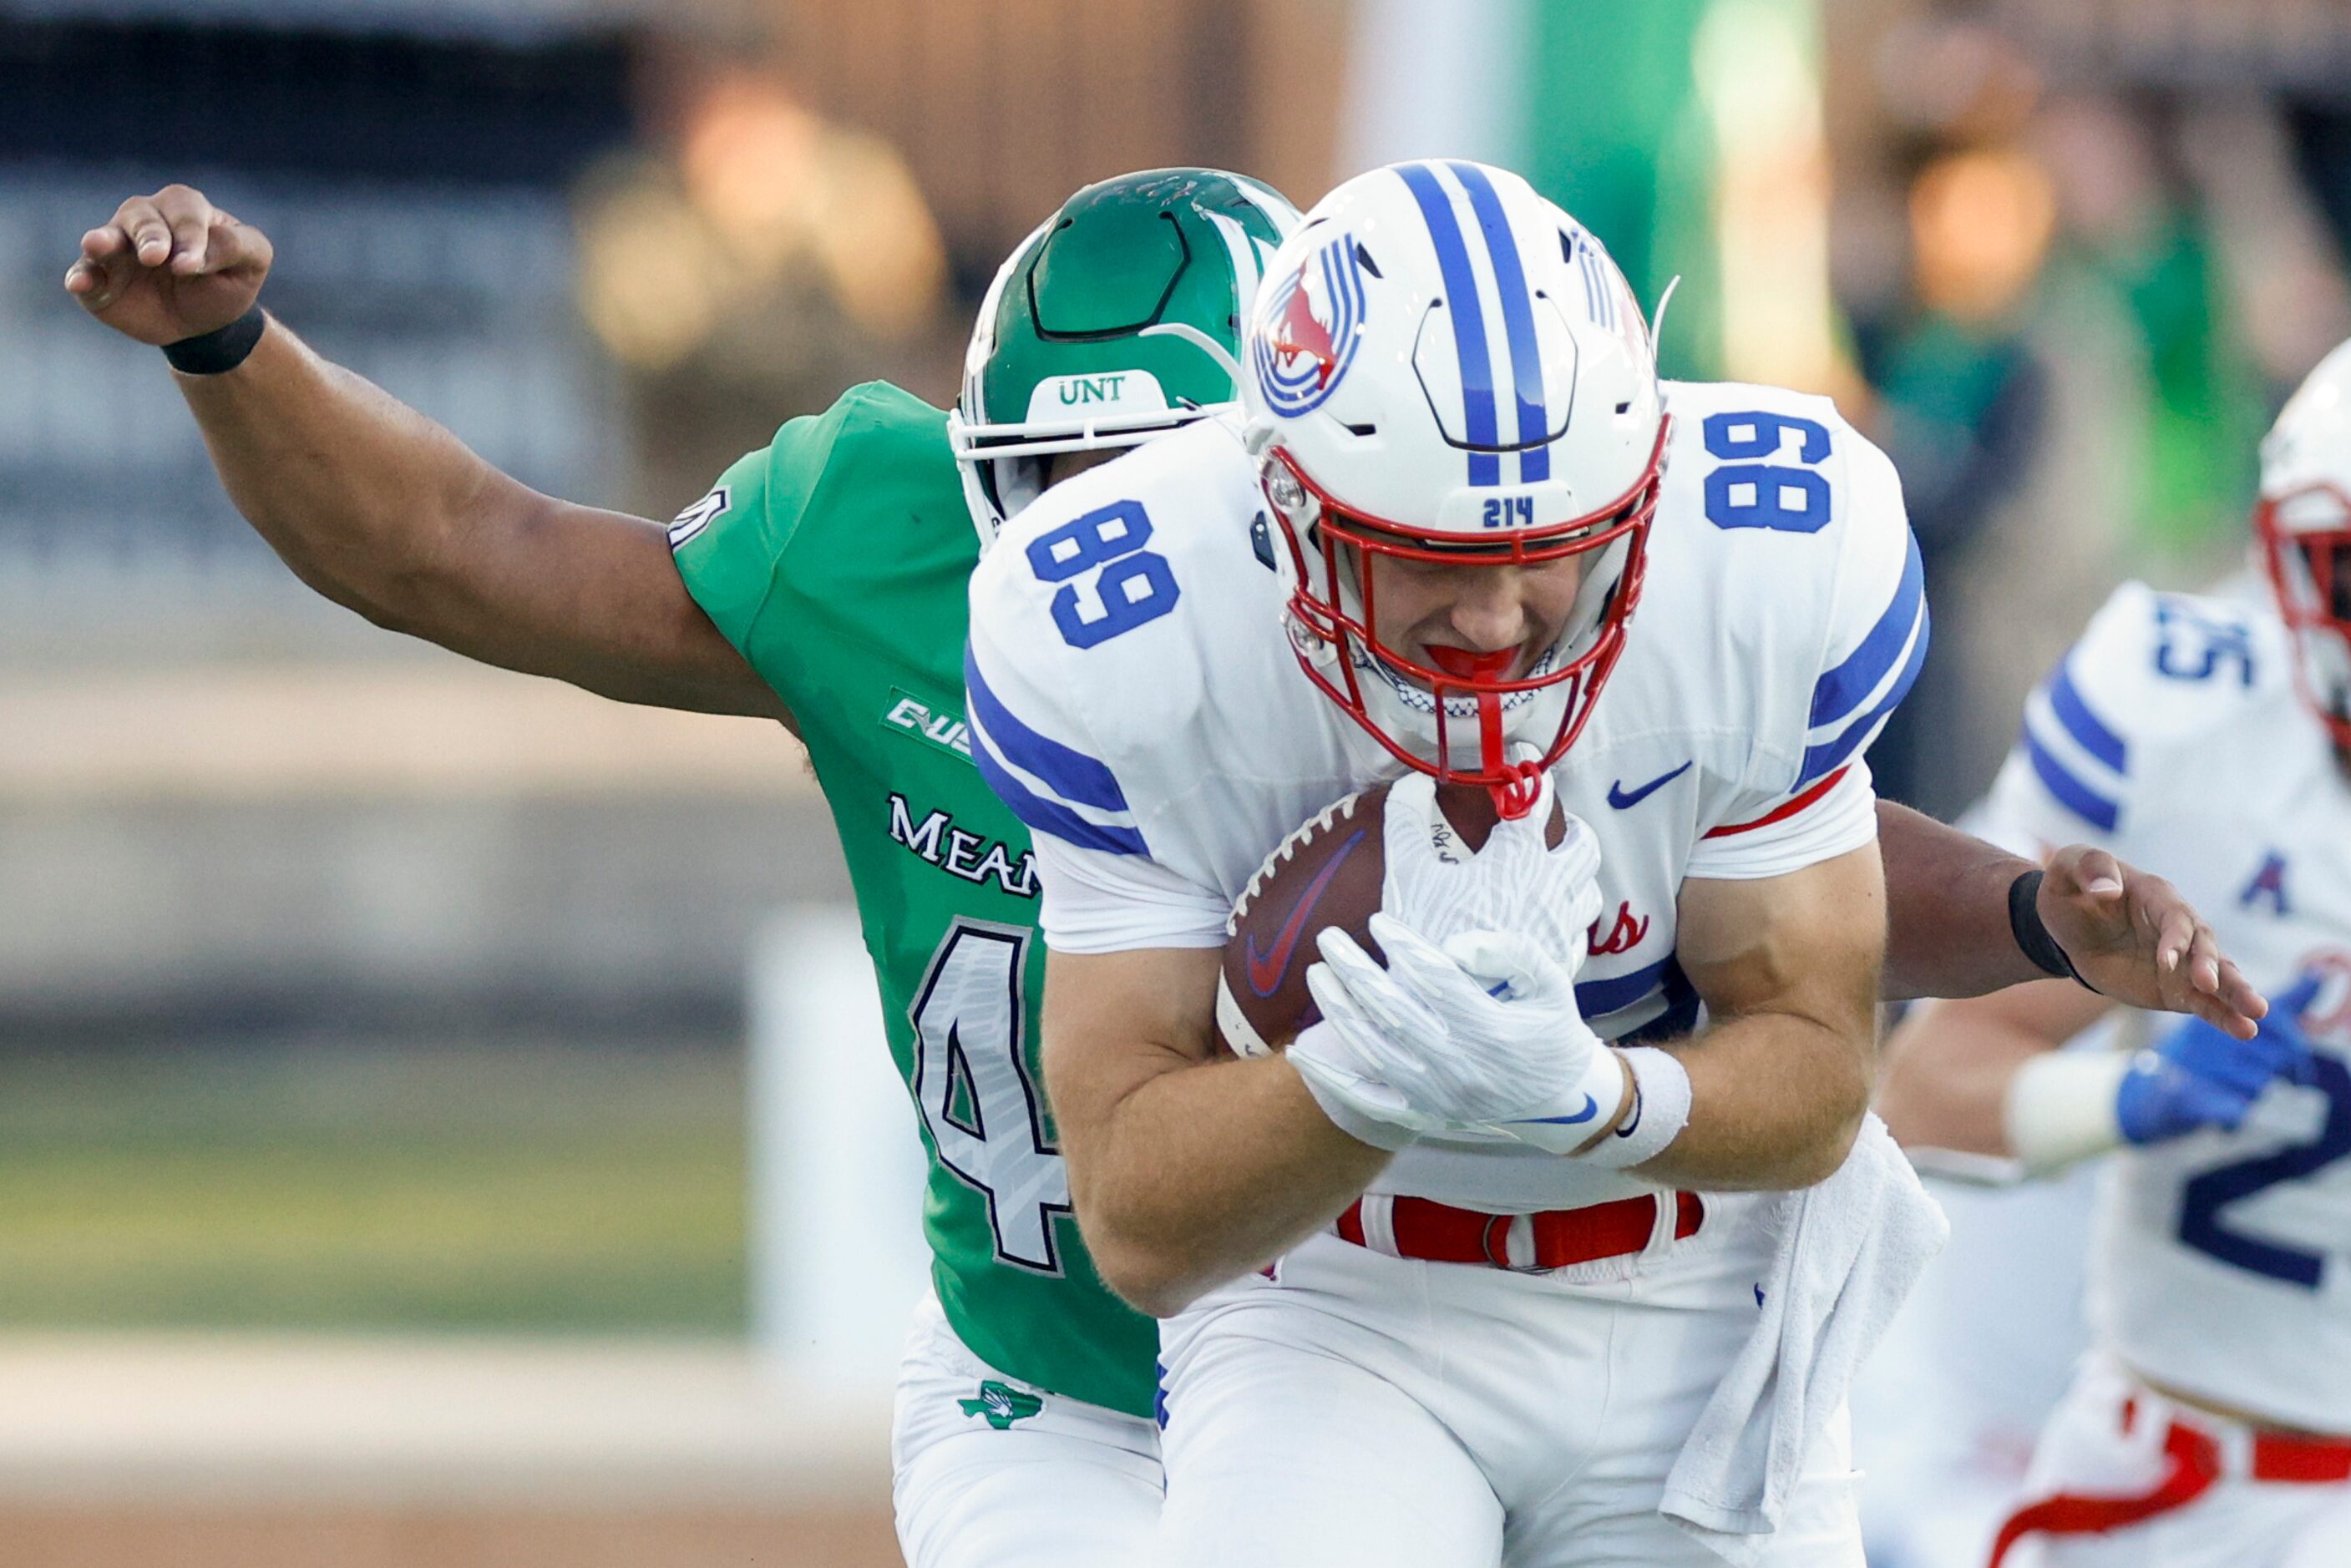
836,561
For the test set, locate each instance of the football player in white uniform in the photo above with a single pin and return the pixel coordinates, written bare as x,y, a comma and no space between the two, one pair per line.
2211,738
1485,1338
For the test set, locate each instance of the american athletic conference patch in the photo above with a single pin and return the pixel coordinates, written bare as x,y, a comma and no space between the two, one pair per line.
1307,336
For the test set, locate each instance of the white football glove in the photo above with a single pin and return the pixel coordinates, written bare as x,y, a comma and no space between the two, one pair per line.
1434,883
1347,1086
1480,1036
1476,1032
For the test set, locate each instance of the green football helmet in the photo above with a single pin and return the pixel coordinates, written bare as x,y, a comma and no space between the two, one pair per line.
1118,320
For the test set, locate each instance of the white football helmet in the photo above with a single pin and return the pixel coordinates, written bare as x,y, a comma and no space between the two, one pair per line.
1442,366
2303,526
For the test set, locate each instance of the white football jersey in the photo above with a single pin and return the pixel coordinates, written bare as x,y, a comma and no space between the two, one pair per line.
2172,734
1134,697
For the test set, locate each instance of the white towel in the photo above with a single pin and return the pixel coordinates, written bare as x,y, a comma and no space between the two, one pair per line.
1848,1252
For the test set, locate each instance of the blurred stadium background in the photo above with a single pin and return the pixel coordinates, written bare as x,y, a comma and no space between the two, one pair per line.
377,1171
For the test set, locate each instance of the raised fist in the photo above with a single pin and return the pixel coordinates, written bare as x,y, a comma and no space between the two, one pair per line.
169,266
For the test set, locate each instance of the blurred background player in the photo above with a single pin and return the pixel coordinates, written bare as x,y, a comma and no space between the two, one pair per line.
821,583
2211,1422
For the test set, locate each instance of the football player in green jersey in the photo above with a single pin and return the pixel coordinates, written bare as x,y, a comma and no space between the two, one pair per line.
821,583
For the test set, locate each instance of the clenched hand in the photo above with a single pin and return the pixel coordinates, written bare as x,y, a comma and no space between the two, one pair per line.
169,266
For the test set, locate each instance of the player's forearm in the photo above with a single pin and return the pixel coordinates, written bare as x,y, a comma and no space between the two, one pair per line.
1204,1173
1985,1077
364,498
1776,1101
1946,1078
1947,931
386,513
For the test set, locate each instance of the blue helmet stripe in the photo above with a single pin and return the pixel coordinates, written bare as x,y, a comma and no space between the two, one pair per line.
1468,320
1517,319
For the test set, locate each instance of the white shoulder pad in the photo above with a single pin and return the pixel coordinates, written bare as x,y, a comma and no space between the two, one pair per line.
1029,739
1080,643
1799,519
2153,675
1877,623
1817,616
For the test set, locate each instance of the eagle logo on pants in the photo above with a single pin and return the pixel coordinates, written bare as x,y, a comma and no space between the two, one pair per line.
1001,1404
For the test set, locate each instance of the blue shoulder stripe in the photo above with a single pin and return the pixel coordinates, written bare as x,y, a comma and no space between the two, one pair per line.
2068,791
1843,689
1069,773
1468,319
1043,816
2065,701
1517,321
1830,755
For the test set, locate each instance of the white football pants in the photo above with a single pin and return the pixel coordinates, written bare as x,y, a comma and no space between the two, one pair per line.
2238,1523
1362,1411
1007,1476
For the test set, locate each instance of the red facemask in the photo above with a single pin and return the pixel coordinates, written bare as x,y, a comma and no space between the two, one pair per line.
2310,573
1326,526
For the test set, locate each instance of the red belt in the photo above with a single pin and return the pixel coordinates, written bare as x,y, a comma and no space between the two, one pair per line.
2192,1463
1554,1239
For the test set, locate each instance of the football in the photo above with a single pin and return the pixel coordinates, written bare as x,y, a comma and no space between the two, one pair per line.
1328,872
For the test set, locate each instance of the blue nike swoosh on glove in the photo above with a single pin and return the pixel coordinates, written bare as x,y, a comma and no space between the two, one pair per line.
1590,1108
1624,799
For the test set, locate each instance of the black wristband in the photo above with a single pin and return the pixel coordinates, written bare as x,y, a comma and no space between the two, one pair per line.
217,353
2032,937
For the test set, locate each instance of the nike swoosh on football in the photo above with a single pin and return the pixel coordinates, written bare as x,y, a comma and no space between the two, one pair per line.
1266,968
1624,799
1590,1108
